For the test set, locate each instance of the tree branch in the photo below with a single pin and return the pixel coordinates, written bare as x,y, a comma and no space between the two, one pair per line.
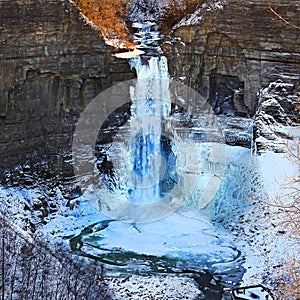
286,22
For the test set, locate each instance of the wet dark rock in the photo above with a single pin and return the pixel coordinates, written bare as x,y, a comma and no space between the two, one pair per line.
211,288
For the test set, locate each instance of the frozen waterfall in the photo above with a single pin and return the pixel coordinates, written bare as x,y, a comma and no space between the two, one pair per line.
171,174
150,104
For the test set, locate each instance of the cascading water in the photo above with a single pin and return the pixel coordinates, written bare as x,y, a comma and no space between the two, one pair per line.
151,103
170,159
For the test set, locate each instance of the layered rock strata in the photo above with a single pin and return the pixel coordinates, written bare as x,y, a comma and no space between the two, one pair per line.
53,62
229,49
276,125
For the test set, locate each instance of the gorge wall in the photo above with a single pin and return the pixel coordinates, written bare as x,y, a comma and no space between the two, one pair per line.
229,49
53,62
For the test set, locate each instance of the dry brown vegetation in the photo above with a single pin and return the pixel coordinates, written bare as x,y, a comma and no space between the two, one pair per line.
109,16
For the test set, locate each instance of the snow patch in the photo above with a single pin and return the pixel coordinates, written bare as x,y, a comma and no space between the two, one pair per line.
265,243
129,54
197,16
163,288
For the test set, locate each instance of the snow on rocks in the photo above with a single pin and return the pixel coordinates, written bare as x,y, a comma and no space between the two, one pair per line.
158,288
265,241
277,115
140,10
263,245
197,16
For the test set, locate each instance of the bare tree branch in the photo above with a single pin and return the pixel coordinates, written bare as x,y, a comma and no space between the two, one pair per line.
286,22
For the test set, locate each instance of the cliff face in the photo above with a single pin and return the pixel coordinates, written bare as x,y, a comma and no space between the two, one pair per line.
229,49
277,115
52,63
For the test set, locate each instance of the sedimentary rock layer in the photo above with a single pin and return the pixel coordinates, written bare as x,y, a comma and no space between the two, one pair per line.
52,63
229,49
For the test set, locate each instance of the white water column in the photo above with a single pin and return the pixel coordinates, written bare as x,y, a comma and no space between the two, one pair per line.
150,105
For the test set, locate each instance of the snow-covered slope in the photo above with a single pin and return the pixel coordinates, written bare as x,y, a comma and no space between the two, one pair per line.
197,16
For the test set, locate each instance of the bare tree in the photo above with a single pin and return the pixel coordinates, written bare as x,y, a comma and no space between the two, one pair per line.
286,209
32,270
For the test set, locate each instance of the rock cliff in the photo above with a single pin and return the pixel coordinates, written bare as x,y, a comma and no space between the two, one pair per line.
52,63
277,115
229,49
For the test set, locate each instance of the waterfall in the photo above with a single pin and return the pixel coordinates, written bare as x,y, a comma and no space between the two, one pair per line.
166,150
170,174
150,105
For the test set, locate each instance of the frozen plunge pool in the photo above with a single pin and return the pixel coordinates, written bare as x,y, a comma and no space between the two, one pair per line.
177,244
189,241
160,183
